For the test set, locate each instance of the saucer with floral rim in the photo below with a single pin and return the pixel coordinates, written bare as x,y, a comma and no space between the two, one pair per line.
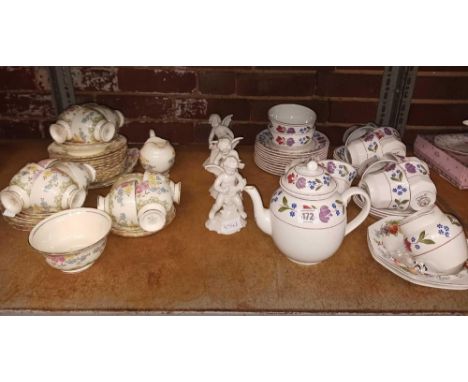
386,245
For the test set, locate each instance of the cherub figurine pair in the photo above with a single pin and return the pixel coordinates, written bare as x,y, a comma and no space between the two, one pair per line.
227,215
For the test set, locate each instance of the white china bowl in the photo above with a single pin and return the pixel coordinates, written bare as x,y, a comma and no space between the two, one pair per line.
293,141
291,115
72,240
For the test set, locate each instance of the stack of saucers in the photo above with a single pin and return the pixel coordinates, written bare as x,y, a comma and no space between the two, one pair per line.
290,136
26,219
110,160
88,133
137,231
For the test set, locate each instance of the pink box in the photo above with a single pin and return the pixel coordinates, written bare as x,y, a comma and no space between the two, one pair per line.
452,167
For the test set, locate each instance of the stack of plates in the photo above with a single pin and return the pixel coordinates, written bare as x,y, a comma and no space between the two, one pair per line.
26,219
274,159
137,231
110,160
382,213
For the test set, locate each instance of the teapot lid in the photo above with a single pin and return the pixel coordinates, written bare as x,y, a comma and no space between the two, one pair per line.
308,179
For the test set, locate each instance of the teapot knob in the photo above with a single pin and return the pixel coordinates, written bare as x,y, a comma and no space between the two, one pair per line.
312,165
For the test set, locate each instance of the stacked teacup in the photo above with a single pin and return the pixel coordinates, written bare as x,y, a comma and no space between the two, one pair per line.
143,204
398,186
88,134
291,136
292,126
40,189
369,143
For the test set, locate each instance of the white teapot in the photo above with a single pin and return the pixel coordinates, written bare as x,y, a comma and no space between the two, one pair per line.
307,214
157,154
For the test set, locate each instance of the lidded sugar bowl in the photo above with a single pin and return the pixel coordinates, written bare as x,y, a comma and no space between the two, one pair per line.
307,213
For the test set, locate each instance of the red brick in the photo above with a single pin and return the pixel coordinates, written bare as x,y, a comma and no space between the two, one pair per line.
259,108
239,107
437,114
201,132
334,134
294,68
352,111
332,84
247,130
157,80
443,69
441,88
176,132
17,78
360,68
139,105
190,108
27,106
94,79
217,82
275,84
23,129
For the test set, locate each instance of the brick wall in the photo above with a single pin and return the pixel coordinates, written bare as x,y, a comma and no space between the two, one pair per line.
177,101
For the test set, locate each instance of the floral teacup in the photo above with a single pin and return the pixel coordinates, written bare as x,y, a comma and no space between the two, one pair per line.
55,191
342,172
392,186
375,144
435,239
143,200
82,125
120,203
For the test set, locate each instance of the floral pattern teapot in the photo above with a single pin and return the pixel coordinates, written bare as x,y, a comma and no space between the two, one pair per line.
307,213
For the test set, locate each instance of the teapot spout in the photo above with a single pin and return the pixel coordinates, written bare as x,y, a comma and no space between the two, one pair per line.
262,215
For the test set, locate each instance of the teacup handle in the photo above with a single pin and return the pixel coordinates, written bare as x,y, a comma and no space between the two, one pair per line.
368,169
346,196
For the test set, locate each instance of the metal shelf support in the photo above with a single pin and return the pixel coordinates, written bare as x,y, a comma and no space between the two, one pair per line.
396,92
62,87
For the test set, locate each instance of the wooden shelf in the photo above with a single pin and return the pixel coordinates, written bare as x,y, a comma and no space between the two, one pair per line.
186,268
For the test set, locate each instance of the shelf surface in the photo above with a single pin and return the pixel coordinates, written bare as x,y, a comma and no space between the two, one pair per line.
187,269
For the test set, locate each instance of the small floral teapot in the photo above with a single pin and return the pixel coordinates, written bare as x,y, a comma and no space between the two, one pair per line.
157,155
307,214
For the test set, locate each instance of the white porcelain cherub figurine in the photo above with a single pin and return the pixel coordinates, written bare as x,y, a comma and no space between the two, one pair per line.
227,215
219,129
223,148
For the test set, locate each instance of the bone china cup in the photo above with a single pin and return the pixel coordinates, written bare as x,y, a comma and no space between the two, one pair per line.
435,239
375,143
72,240
291,116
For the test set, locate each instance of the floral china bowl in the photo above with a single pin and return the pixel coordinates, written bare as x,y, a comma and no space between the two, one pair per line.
291,116
289,141
72,240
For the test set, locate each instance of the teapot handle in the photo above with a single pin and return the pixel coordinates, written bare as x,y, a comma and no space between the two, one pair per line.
346,196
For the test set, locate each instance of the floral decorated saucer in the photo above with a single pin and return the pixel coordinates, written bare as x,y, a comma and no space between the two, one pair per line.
383,212
131,160
318,142
386,244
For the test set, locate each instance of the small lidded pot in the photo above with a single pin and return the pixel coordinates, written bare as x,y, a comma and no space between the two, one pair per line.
157,155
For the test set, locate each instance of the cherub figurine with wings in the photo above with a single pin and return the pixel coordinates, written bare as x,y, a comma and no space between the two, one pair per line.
227,215
221,149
